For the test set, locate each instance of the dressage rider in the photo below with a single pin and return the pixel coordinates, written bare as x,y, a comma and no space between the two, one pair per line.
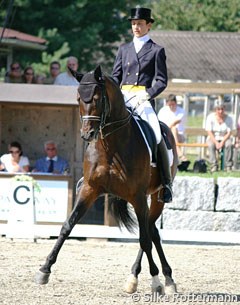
136,66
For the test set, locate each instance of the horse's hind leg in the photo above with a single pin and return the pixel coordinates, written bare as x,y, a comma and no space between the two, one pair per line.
141,210
170,286
155,211
42,276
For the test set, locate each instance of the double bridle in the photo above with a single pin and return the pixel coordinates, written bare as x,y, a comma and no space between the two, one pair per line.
105,113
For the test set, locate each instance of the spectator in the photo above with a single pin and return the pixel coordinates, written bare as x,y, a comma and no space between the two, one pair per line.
54,72
40,78
66,78
237,144
28,76
236,154
15,74
14,161
52,163
174,116
219,126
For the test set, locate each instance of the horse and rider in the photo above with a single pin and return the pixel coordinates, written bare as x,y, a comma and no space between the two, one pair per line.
116,160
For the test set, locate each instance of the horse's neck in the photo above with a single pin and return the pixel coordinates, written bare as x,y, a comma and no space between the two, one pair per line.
120,112
117,103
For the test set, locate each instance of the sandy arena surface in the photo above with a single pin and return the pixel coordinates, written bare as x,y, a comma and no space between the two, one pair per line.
93,272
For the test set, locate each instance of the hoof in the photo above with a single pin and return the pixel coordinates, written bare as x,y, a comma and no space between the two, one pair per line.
170,289
159,290
131,284
41,278
157,287
170,286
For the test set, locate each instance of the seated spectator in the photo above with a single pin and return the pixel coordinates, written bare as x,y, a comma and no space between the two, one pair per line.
236,153
40,78
174,117
52,163
219,126
15,74
66,78
54,72
28,75
237,144
14,161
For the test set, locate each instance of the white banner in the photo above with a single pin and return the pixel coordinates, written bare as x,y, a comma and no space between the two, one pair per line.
51,203
21,216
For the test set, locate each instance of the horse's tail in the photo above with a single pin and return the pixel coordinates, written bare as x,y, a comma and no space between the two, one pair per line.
118,207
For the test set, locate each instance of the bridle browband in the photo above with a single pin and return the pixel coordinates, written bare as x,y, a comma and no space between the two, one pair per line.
105,112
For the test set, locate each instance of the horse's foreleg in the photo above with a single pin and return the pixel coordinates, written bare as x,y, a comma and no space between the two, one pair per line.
42,276
170,286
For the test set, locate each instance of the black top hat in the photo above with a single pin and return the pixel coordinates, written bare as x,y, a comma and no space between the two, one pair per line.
141,13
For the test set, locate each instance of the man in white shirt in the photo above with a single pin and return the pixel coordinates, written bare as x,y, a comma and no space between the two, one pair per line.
66,78
174,117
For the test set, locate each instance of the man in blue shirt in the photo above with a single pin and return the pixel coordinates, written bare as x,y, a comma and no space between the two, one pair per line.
52,163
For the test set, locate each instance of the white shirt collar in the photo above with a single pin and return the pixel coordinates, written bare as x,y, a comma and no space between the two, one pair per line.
54,158
139,42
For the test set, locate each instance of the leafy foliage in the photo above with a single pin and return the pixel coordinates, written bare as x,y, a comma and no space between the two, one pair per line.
82,28
197,15
22,177
90,29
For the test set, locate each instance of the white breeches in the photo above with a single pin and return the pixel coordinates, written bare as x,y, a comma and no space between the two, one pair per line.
144,109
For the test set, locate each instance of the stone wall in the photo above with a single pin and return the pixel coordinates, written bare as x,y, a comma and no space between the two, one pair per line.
203,204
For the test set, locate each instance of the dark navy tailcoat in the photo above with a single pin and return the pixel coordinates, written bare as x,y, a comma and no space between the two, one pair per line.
145,68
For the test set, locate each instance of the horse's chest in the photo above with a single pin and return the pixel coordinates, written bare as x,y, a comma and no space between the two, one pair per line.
117,173
114,171
110,166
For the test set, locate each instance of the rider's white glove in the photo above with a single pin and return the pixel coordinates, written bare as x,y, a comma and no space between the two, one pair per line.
142,96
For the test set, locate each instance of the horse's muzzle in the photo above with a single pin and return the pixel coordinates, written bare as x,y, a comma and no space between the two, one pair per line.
88,135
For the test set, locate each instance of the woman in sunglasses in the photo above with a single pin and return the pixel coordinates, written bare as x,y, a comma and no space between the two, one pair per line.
14,75
14,161
28,75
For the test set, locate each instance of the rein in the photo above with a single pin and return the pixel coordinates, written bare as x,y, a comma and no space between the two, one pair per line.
105,113
123,121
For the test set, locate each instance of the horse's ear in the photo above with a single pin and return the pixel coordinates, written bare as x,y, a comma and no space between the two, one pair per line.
76,74
98,74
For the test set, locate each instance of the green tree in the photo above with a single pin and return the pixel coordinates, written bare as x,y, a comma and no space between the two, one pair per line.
91,29
87,29
197,15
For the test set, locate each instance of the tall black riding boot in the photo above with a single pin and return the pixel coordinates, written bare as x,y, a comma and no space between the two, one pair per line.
164,171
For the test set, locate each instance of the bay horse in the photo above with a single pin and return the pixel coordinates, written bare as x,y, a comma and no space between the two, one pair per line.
117,162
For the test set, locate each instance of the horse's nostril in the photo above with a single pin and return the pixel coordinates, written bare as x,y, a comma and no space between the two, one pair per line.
87,135
91,134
